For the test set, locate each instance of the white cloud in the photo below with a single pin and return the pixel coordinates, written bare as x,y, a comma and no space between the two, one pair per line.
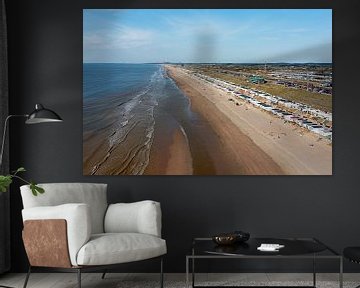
118,37
208,24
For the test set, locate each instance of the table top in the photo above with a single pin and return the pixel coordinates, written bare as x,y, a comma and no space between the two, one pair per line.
293,247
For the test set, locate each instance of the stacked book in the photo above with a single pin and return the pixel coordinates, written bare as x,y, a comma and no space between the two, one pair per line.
270,247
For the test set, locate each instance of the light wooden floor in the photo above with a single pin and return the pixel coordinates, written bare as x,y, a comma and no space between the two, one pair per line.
113,280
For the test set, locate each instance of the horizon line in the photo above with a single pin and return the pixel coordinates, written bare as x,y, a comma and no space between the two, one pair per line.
208,63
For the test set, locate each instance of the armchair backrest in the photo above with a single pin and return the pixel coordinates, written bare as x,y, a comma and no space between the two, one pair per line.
55,194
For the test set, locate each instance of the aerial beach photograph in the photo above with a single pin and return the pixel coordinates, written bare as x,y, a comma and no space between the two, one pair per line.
207,92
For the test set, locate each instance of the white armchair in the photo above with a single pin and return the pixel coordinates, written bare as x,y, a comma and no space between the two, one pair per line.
72,228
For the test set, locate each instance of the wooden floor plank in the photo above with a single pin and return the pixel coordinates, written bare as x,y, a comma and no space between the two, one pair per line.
113,280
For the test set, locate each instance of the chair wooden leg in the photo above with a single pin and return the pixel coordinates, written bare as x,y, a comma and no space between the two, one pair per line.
161,273
27,277
79,277
103,275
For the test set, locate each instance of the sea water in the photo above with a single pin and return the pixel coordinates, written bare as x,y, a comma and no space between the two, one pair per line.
118,103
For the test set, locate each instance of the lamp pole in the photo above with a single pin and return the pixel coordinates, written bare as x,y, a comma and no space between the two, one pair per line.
4,133
2,151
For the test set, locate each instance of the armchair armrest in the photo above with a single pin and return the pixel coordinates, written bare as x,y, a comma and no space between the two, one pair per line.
77,217
138,217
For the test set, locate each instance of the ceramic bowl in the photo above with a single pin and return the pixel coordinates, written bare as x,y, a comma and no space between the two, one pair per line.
225,239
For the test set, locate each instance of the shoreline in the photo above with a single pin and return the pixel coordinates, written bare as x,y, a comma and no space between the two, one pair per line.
263,144
180,160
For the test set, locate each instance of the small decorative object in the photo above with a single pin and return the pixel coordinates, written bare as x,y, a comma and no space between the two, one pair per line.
225,239
242,236
270,247
231,238
6,180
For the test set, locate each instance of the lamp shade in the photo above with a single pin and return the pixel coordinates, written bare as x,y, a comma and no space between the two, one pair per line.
42,115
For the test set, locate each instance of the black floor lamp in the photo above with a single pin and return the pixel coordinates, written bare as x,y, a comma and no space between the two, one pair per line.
39,115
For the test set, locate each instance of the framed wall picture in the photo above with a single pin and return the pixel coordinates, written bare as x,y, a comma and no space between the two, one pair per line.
207,92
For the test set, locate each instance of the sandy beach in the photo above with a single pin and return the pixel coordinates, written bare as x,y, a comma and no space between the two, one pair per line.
253,142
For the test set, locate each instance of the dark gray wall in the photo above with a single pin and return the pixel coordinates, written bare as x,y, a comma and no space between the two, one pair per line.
45,43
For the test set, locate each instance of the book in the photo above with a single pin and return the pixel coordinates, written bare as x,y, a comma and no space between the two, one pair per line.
270,247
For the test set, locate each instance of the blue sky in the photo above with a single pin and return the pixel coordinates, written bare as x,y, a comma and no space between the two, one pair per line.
201,35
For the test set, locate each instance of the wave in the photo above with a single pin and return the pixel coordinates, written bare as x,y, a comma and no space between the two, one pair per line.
132,133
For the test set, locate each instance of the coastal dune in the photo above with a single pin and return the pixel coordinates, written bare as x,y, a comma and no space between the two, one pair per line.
253,142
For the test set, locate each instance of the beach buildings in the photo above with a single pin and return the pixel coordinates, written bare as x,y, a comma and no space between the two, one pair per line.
309,118
257,79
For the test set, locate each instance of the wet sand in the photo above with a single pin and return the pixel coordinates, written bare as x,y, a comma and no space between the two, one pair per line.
170,152
258,142
94,151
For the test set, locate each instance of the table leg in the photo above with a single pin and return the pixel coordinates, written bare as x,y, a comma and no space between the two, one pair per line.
314,271
187,272
193,272
193,267
341,273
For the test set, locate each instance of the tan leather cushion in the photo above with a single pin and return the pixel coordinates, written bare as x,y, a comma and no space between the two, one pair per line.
77,218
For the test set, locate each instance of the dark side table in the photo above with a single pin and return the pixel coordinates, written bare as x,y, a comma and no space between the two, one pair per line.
295,248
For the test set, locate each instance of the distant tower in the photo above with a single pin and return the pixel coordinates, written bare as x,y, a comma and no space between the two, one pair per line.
265,67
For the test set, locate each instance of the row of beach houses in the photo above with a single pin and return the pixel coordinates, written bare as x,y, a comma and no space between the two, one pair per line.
288,110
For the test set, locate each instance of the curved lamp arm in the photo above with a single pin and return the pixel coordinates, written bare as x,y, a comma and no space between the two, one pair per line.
39,115
4,134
